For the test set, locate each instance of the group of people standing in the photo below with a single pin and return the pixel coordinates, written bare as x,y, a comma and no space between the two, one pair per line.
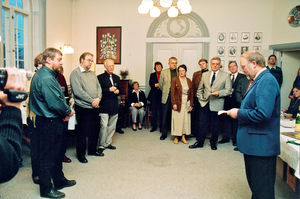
96,105
176,102
194,104
252,111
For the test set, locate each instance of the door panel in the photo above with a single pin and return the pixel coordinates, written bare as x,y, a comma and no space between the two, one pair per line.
186,53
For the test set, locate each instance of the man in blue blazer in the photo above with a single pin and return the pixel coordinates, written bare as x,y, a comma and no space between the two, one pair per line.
259,126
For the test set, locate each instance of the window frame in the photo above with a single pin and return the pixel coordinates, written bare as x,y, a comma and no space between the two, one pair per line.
27,37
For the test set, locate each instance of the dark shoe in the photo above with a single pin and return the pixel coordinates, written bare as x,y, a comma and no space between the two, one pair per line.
100,151
196,145
65,183
233,143
82,159
97,153
134,129
111,147
36,180
53,194
223,141
153,129
163,137
213,147
235,149
140,128
66,159
120,131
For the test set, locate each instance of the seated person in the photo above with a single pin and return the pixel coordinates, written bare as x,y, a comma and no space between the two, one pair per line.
137,105
294,105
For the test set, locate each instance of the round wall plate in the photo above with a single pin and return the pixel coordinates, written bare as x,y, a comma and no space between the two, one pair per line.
294,17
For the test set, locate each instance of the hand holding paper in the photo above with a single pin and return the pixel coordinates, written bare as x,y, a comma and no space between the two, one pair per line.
222,112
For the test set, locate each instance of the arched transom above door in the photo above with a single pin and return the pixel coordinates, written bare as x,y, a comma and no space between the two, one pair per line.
183,26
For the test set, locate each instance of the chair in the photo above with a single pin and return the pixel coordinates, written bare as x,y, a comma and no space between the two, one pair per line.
147,116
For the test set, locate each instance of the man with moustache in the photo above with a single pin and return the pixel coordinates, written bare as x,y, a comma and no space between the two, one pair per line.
258,136
87,94
48,102
165,80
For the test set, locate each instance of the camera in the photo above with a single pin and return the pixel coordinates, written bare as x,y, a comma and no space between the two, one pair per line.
13,95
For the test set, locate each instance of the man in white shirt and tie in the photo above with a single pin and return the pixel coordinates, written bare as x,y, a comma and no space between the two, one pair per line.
214,86
230,125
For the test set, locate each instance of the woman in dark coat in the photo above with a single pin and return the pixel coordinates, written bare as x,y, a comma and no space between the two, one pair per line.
155,97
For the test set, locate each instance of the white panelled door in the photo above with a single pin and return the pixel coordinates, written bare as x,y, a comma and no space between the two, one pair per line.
186,53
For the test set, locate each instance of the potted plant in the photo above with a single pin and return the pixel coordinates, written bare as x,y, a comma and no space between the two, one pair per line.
124,74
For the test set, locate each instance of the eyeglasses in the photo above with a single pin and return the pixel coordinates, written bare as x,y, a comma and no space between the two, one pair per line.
89,60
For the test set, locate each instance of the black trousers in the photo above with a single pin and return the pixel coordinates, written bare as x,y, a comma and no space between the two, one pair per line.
121,118
166,116
229,127
156,111
195,117
88,124
261,173
35,152
50,132
64,139
209,123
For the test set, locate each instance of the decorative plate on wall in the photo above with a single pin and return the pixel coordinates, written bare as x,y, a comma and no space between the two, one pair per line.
294,17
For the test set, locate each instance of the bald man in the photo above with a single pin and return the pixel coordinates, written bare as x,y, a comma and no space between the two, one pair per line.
109,105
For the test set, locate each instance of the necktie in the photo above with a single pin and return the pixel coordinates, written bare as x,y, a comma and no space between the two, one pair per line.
213,79
250,83
232,78
111,80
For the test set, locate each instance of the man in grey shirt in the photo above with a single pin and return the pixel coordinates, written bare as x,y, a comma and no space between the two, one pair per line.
87,94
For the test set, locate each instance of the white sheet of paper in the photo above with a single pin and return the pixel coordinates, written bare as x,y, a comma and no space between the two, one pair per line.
221,112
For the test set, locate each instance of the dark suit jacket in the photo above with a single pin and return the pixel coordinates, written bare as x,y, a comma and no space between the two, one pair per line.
176,92
241,89
230,101
109,102
259,118
133,98
195,81
294,107
277,72
155,93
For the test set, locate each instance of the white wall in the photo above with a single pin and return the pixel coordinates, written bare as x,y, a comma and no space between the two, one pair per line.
59,28
220,16
281,30
75,22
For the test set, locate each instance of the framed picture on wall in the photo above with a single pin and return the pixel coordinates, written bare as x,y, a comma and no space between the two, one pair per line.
109,44
245,37
221,37
232,51
257,48
220,51
233,37
244,49
258,37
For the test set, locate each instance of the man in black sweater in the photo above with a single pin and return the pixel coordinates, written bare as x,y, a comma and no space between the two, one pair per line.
275,70
11,126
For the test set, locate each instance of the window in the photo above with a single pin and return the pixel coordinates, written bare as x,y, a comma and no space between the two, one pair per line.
15,28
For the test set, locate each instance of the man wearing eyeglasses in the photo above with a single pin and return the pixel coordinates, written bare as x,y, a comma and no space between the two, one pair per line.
87,94
258,135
